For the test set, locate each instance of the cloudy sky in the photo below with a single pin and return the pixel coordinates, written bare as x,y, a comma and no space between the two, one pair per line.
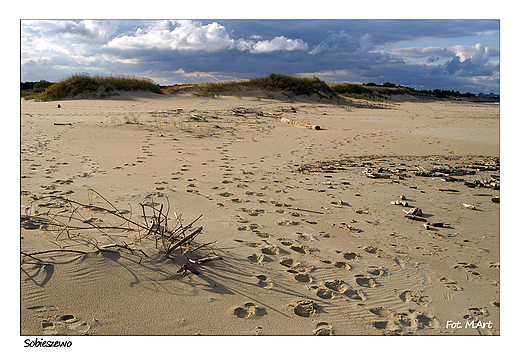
459,55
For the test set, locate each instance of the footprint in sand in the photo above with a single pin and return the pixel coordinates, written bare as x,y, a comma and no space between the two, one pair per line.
288,262
303,236
301,249
465,265
288,223
376,271
303,277
325,293
248,311
71,322
408,296
384,313
402,323
271,250
341,264
49,328
389,327
336,285
421,321
264,281
252,212
305,308
371,249
257,258
263,235
323,329
160,183
469,266
356,294
296,266
451,284
476,312
351,256
365,281
284,241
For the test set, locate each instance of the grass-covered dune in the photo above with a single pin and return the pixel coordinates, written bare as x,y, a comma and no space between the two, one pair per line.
285,84
97,86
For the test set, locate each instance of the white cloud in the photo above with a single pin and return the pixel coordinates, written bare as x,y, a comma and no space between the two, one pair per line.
278,43
478,54
244,45
186,35
192,35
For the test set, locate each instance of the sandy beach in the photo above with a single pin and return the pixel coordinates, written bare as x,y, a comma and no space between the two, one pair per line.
383,222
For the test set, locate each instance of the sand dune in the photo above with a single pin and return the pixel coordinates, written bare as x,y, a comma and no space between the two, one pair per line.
311,243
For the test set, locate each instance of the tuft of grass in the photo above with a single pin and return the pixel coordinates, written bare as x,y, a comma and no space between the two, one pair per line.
96,86
132,119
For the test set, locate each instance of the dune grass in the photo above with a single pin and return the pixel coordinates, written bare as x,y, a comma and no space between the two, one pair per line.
98,86
287,84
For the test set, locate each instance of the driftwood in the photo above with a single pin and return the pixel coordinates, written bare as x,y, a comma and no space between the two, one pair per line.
67,217
447,190
298,123
306,210
200,261
416,218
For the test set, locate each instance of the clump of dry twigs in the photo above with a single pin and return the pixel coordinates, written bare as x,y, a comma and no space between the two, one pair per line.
67,218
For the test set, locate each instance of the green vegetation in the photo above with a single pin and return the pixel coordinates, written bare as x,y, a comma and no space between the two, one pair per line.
292,85
99,86
287,84
442,93
393,89
354,91
31,90
373,91
88,85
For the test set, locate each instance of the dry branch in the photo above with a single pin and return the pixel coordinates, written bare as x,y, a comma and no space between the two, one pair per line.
298,123
65,215
306,210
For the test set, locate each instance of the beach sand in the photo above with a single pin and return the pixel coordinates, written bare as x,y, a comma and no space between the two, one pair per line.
303,219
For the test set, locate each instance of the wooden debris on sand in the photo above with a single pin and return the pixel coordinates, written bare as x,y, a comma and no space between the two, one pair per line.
67,217
298,123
